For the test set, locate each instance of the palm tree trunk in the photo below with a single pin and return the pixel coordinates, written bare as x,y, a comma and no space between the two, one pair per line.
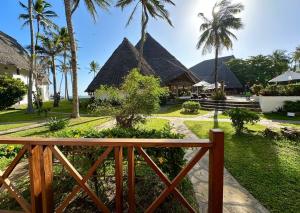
75,112
30,79
216,68
145,19
65,70
54,80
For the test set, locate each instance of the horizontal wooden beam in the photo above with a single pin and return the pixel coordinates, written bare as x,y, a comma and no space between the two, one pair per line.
109,142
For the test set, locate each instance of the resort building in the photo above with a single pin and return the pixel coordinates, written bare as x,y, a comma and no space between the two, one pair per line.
156,61
14,61
205,71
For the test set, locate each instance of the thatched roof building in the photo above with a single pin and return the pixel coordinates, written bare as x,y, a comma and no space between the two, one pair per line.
157,61
12,53
205,71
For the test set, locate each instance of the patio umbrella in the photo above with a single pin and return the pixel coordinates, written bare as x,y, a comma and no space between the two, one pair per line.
202,84
286,76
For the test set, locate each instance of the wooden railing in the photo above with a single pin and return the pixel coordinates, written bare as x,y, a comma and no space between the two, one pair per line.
41,152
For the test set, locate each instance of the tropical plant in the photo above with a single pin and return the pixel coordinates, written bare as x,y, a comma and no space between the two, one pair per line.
215,33
256,88
296,57
218,95
50,47
240,117
55,124
138,97
191,106
94,67
154,8
70,8
11,91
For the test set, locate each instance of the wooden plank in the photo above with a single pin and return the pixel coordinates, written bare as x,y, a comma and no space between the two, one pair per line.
176,180
77,188
47,180
35,155
131,180
74,173
119,178
106,142
165,179
16,195
216,172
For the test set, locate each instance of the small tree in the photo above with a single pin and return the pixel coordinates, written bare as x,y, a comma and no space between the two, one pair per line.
241,117
137,97
11,91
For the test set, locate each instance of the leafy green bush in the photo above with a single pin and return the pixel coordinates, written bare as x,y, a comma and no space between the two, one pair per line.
256,88
281,90
291,106
11,91
240,117
191,106
9,151
170,160
55,124
218,95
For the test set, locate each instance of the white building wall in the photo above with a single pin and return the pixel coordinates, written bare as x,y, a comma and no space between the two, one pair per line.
273,103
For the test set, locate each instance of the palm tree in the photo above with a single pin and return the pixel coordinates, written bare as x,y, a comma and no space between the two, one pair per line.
296,57
64,40
154,8
94,67
216,32
70,8
51,47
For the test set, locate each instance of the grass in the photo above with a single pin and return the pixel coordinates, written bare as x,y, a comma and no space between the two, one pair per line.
65,106
297,126
279,116
176,111
7,126
154,123
83,123
269,169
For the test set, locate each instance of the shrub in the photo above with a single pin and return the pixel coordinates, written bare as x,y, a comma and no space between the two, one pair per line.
240,117
9,151
191,106
11,91
291,106
218,95
256,88
281,90
270,133
138,97
170,160
55,124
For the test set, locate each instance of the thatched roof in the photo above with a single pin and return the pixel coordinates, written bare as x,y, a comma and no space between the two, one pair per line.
12,53
166,66
123,59
205,71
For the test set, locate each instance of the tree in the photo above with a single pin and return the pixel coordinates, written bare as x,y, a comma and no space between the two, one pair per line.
215,33
280,60
94,67
139,96
154,8
296,57
51,47
11,91
70,8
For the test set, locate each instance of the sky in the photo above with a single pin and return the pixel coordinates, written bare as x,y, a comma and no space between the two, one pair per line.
268,25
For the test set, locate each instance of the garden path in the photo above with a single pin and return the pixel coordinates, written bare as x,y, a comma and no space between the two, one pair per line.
23,128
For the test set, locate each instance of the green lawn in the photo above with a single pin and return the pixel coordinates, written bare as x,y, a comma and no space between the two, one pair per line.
176,111
83,123
154,123
269,169
64,106
7,126
279,116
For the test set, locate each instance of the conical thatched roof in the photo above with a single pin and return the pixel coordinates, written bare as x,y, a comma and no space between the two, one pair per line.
205,71
123,59
12,53
166,66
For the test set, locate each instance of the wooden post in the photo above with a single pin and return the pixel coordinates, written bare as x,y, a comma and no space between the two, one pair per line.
216,171
131,180
41,177
119,178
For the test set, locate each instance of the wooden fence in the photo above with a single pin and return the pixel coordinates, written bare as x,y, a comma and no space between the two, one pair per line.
41,152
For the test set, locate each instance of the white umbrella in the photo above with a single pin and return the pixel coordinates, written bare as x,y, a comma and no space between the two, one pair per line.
202,84
286,76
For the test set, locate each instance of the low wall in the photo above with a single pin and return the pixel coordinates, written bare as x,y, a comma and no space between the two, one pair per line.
273,103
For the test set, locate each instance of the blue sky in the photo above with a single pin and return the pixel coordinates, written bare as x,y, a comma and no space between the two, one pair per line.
269,25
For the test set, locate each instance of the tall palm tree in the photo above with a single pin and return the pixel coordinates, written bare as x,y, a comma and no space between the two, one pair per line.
215,32
296,57
94,67
70,8
51,47
154,8
64,40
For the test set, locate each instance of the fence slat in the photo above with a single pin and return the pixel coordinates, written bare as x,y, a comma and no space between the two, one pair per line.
119,178
216,171
131,180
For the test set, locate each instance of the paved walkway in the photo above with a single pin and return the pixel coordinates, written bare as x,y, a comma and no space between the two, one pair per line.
236,198
23,128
